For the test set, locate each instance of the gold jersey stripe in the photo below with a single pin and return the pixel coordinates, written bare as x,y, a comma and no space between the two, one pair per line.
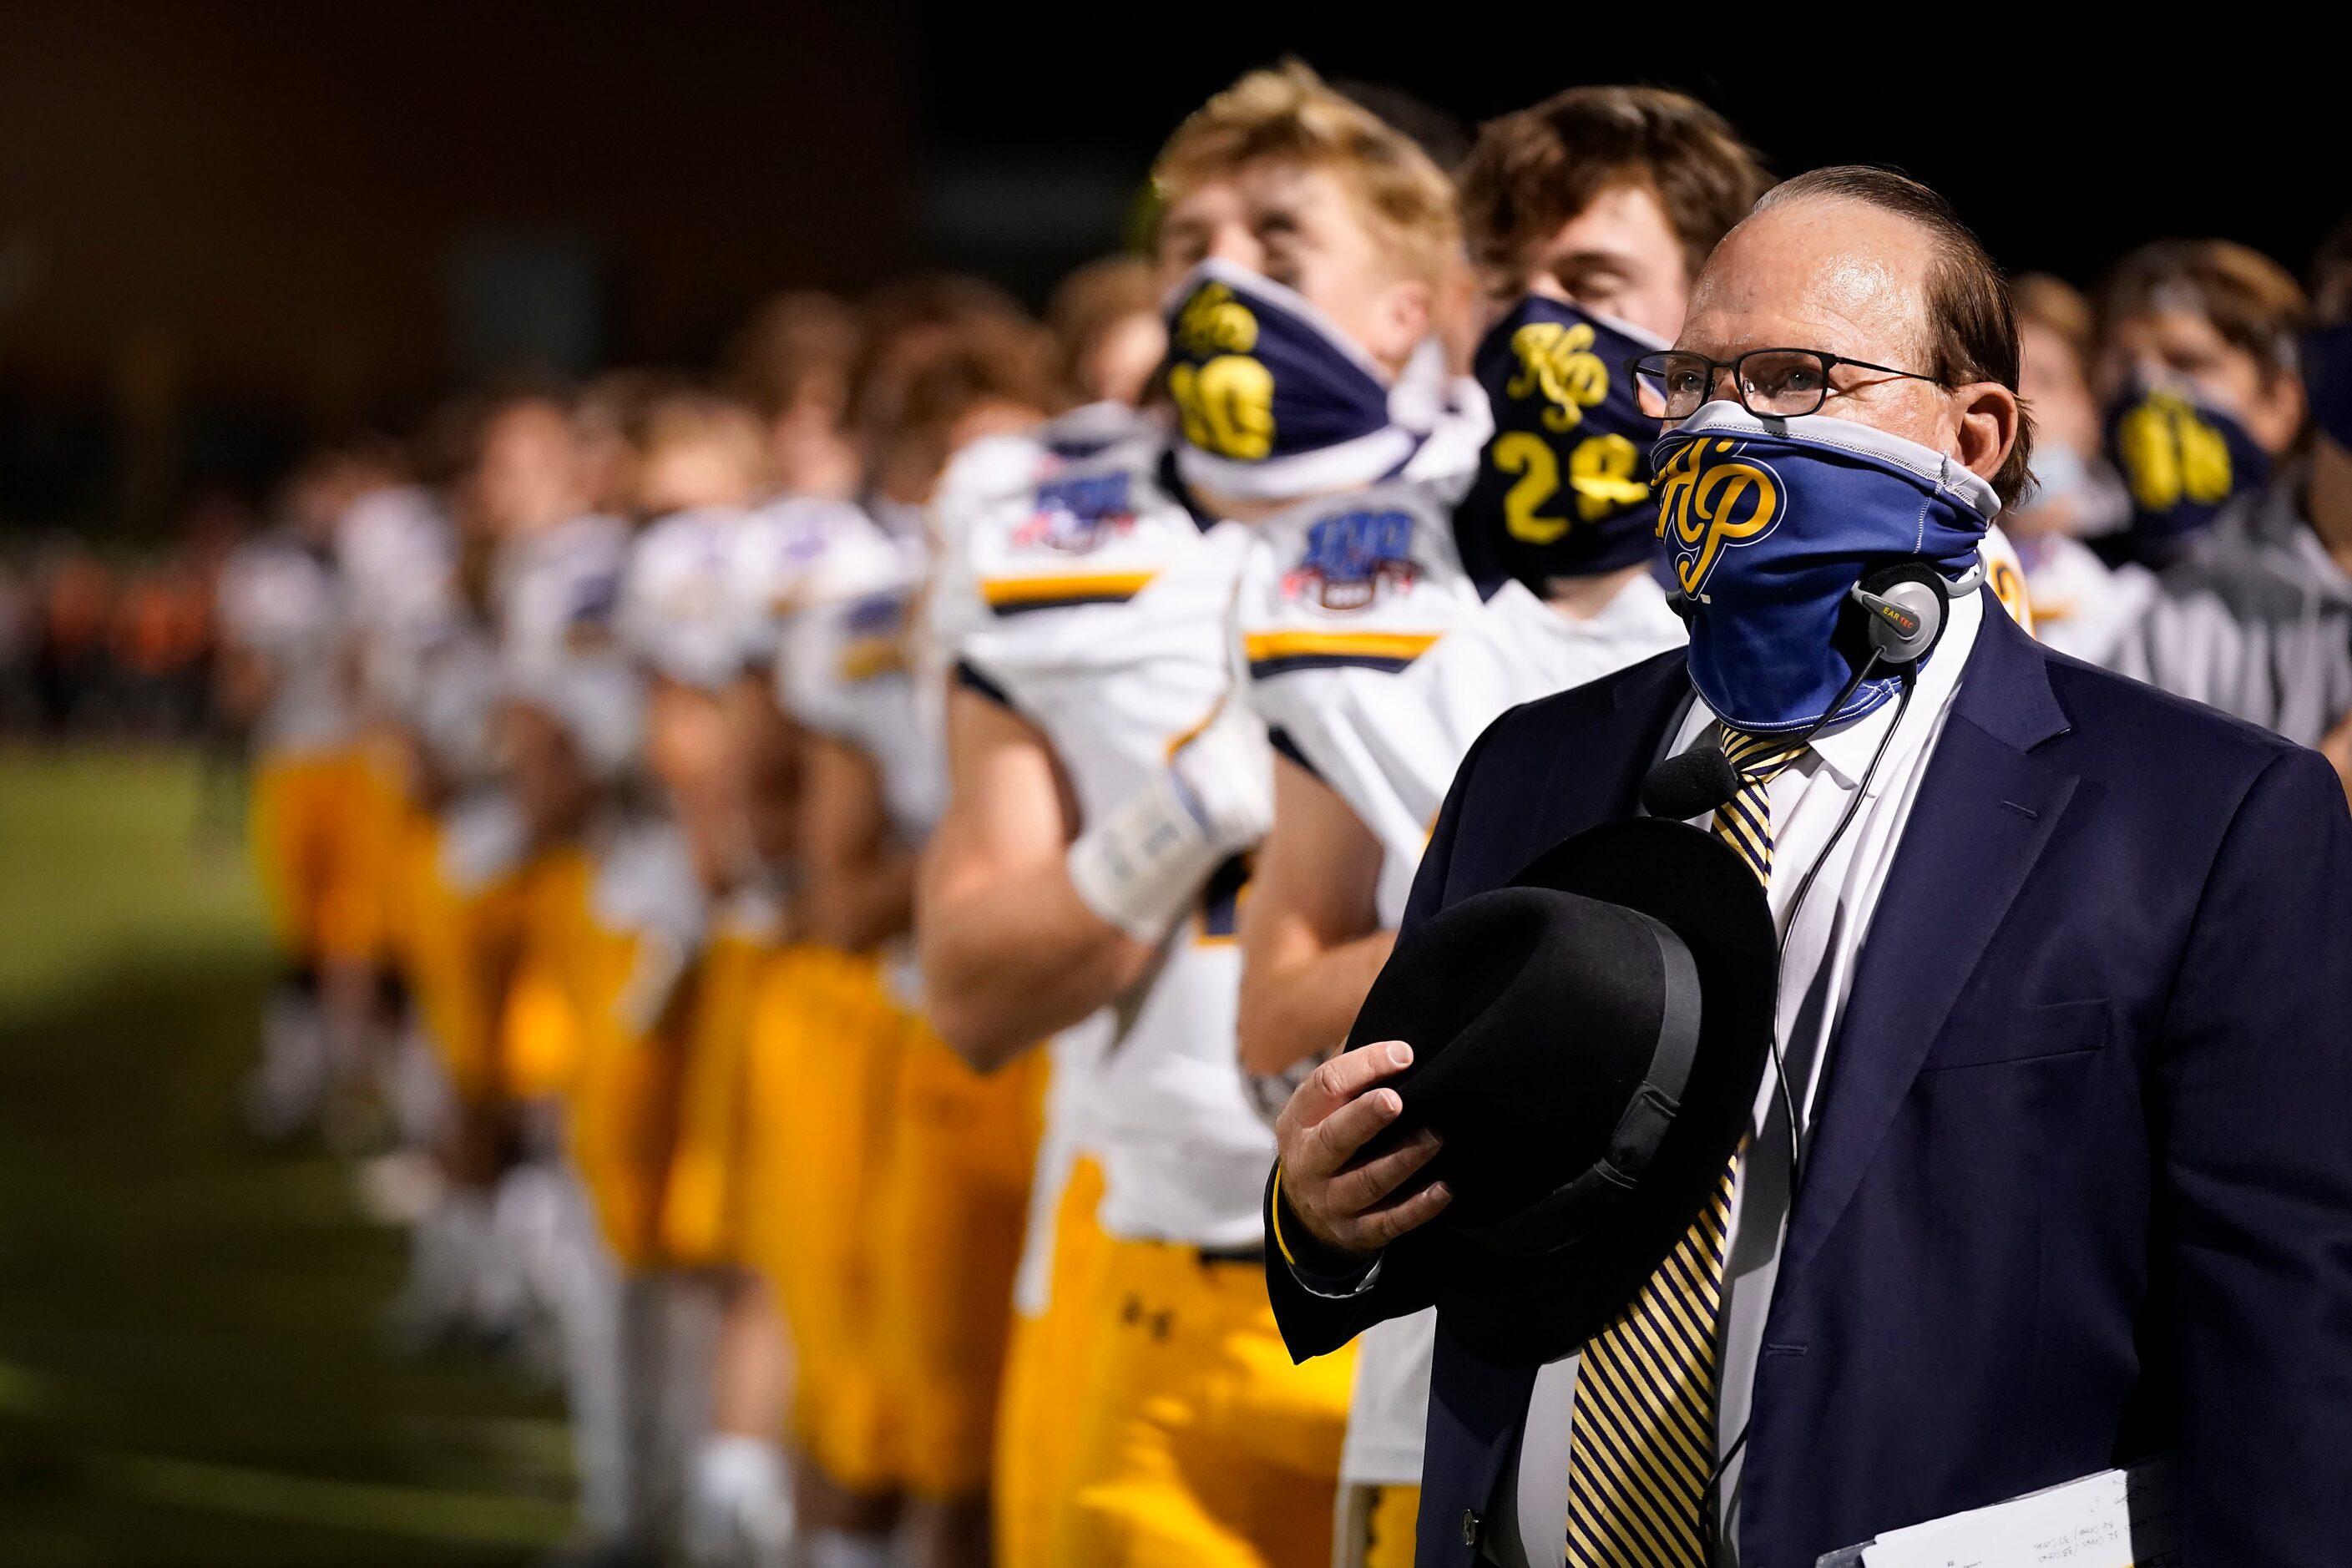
1076,588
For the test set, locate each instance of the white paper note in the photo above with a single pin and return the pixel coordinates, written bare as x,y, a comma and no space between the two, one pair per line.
2103,1521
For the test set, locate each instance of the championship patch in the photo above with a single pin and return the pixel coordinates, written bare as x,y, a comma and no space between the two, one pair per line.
1077,514
1353,560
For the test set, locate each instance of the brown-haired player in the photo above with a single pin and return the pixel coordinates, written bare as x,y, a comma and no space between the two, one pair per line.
700,463
834,1056
796,361
1588,214
1107,785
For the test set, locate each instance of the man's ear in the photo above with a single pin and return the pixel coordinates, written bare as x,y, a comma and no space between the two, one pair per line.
1990,417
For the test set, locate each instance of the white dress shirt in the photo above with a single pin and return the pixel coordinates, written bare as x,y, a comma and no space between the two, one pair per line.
1528,1525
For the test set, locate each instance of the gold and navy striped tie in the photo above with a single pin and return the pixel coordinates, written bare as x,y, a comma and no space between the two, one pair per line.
1642,1444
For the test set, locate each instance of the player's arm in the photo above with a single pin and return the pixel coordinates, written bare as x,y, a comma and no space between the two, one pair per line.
693,747
1011,953
861,879
1311,941
765,748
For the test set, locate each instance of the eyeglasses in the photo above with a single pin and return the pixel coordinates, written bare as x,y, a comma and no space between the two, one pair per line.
1778,384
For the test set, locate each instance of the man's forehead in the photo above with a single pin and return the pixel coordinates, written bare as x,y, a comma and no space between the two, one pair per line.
1818,273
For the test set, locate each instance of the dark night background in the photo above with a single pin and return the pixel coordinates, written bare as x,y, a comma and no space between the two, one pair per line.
227,228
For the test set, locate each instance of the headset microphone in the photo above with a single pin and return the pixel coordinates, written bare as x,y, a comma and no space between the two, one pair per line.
1692,785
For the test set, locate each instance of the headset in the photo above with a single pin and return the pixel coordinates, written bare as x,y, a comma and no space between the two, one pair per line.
1904,608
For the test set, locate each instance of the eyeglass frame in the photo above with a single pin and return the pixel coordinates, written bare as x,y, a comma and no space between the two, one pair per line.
1830,362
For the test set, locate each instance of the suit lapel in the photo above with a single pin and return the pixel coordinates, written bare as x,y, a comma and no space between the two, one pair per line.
1580,789
1983,812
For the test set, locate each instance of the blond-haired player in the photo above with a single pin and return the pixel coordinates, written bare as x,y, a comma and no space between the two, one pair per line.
1106,786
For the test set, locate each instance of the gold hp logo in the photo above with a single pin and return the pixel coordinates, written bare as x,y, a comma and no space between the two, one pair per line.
1708,498
1558,359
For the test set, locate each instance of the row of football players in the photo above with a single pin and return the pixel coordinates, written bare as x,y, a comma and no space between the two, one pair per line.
900,918
524,743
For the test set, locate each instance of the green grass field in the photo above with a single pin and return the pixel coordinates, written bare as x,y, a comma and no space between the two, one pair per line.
191,1365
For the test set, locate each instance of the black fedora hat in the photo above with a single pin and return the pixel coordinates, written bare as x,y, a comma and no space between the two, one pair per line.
1588,1042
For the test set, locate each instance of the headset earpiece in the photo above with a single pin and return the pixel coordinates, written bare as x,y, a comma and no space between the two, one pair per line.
1903,605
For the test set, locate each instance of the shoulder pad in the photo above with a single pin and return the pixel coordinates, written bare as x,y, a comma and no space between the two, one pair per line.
1090,532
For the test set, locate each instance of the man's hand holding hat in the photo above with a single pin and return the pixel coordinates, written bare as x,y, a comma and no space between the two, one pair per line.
1556,1072
1348,1207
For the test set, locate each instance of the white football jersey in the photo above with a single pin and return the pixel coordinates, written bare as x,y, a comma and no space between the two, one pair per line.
1085,596
848,665
849,668
559,588
283,603
779,550
680,607
398,554
1376,663
458,679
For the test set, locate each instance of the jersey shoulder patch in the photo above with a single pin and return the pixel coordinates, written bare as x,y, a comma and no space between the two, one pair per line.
1369,580
1095,531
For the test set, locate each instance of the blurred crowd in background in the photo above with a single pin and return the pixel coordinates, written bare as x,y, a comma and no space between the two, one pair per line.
104,645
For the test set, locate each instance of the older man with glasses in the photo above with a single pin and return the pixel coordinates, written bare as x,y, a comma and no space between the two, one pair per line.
2047,1171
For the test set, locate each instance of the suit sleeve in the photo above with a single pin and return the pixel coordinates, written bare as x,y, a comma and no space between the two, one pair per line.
2256,1095
1313,1321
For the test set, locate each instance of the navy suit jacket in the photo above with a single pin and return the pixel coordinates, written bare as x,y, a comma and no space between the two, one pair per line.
2080,1187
